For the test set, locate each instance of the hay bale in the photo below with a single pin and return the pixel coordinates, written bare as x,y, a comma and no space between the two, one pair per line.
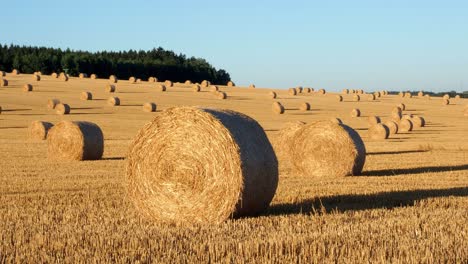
378,132
292,91
355,112
2,74
373,120
401,94
221,95
113,79
445,102
27,87
15,72
397,109
396,116
327,149
427,96
110,88
188,82
231,84
38,130
138,80
420,94
457,97
196,165
54,75
272,95
418,121
83,75
93,76
62,109
408,95
52,103
304,106
36,78
132,80
196,88
312,90
377,94
113,101
205,84
299,89
402,106
64,77
392,127
361,91
86,96
161,88
322,91
371,97
252,86
168,83
307,90
277,108
3,82
75,141
152,79
345,91
356,98
336,120
339,98
446,96
214,88
405,125
149,107
283,141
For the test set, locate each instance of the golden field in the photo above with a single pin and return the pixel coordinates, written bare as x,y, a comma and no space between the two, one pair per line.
410,205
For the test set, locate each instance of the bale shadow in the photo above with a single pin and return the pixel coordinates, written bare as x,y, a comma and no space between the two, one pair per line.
16,110
418,170
360,202
113,158
13,127
395,152
85,108
132,105
90,113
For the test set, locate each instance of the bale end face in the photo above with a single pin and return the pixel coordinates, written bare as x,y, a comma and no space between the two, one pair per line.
38,130
86,96
52,103
62,109
149,107
27,88
272,95
113,101
378,132
304,106
355,113
278,108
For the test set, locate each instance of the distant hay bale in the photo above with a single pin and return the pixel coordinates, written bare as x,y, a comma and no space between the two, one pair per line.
356,98
372,120
113,79
327,149
15,72
205,84
397,109
352,91
408,95
304,106
396,116
231,84
83,75
339,98
377,94
307,90
149,107
361,91
336,120
221,95
405,125
299,89
312,90
27,87
2,74
168,83
197,165
371,97
402,106
113,101
161,88
138,80
355,112
214,88
272,95
52,103
3,82
420,94
407,116
378,132
446,96
457,96
93,76
38,130
445,102
292,91
54,75
322,91
63,77
62,109
75,141
392,127
36,77
401,94
152,79
196,88
345,91
418,121
427,96
188,82
86,96
132,80
110,88
277,108
252,86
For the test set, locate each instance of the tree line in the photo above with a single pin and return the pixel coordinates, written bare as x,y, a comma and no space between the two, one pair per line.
158,62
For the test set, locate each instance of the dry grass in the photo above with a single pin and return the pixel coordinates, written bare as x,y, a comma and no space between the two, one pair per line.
409,206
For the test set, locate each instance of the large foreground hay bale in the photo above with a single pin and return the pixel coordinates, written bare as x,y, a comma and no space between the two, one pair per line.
197,165
52,103
418,121
327,149
355,112
277,108
62,109
113,101
378,131
75,141
292,91
27,87
196,88
110,88
86,96
3,82
272,95
392,127
405,125
149,107
304,106
38,130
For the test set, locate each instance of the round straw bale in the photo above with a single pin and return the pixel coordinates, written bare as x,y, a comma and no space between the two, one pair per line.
299,89
418,121
322,91
405,125
272,95
138,80
356,98
355,112
283,141
161,87
196,88
304,106
83,75
396,116
377,94
38,130
52,103
292,91
93,76
420,94
427,96
402,106
214,88
371,97
446,96
277,108
75,141
378,131
327,149
62,109
86,96
54,75
196,165
113,79
339,98
15,72
3,82
312,90
401,94
397,109
457,96
345,91
132,80
408,95
230,84
307,90
221,95
168,83
352,91
149,107
373,120
445,102
252,86
361,91
188,82
110,88
392,127
336,120
64,77
2,74
205,83
27,87
152,79
36,77
113,101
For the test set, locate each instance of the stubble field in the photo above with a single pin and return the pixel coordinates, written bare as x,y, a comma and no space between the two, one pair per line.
409,205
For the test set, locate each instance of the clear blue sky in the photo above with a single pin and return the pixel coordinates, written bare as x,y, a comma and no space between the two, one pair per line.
393,44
